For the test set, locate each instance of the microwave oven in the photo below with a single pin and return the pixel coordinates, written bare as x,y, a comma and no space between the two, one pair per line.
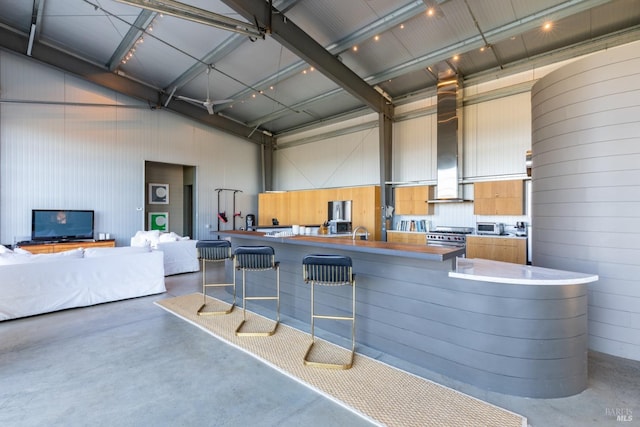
495,228
338,226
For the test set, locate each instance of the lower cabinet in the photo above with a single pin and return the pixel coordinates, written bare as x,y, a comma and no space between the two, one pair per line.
407,237
507,249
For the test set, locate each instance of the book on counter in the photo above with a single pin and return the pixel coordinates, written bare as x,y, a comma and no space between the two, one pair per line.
416,225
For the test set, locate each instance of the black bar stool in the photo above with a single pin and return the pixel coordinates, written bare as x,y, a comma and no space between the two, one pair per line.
214,251
330,270
256,258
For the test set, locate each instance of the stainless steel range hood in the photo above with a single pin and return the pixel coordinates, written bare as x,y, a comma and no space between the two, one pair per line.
449,129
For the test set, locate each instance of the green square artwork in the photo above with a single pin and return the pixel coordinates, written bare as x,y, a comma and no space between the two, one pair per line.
159,221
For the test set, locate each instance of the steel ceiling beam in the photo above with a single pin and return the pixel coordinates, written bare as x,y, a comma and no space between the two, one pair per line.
36,22
379,26
233,42
474,42
195,14
300,43
17,42
134,33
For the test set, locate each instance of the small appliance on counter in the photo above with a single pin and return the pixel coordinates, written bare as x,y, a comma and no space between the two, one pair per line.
492,228
250,222
339,213
339,226
521,228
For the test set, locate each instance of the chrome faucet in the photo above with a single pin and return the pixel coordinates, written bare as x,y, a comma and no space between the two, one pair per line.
361,227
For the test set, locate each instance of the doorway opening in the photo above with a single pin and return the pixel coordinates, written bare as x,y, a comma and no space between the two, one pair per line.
169,197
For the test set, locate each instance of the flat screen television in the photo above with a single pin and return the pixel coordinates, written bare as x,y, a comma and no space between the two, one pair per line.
57,225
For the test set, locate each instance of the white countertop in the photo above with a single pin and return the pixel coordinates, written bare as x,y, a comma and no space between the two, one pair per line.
505,272
498,236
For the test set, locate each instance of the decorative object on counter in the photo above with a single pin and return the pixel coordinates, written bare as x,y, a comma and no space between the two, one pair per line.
274,221
330,270
214,251
324,228
256,258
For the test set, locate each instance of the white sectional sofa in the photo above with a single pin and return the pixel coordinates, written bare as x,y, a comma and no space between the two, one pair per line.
180,253
35,284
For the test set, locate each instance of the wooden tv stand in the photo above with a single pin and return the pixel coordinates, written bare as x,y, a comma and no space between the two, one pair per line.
49,248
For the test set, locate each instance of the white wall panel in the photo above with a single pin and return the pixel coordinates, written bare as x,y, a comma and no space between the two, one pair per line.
586,187
341,161
414,149
497,136
81,157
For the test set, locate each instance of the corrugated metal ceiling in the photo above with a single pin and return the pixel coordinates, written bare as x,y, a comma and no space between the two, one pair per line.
271,88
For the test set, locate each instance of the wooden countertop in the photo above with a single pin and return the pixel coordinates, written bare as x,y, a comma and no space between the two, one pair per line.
431,253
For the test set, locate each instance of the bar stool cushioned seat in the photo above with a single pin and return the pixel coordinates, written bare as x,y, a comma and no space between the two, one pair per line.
214,251
256,258
330,270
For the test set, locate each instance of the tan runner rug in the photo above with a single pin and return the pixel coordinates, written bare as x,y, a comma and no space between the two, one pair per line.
376,391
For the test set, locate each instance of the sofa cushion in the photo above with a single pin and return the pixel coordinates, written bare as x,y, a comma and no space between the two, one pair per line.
121,250
145,238
4,249
23,257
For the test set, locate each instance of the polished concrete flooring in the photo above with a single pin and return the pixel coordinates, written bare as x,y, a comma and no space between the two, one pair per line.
130,363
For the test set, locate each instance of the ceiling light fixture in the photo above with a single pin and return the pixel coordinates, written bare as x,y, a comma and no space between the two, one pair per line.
547,26
191,13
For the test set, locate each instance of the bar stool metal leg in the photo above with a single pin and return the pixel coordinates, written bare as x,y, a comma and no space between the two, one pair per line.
256,258
330,270
214,251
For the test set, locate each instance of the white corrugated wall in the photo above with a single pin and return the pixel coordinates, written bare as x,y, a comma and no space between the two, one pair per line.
586,187
69,156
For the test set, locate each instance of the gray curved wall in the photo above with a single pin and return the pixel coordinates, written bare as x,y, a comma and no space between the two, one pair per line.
586,187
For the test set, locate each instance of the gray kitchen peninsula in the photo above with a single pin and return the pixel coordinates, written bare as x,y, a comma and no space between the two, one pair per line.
418,304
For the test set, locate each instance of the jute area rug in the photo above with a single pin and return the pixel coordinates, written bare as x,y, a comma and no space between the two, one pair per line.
378,392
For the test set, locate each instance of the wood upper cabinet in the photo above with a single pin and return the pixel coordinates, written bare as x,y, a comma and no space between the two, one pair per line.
497,249
310,207
413,200
499,198
273,205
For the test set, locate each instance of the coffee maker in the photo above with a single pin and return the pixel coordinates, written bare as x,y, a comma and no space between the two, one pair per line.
250,222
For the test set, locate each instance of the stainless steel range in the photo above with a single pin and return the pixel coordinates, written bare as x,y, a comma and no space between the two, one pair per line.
449,236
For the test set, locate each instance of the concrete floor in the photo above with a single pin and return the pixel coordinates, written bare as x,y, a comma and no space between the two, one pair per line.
131,363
